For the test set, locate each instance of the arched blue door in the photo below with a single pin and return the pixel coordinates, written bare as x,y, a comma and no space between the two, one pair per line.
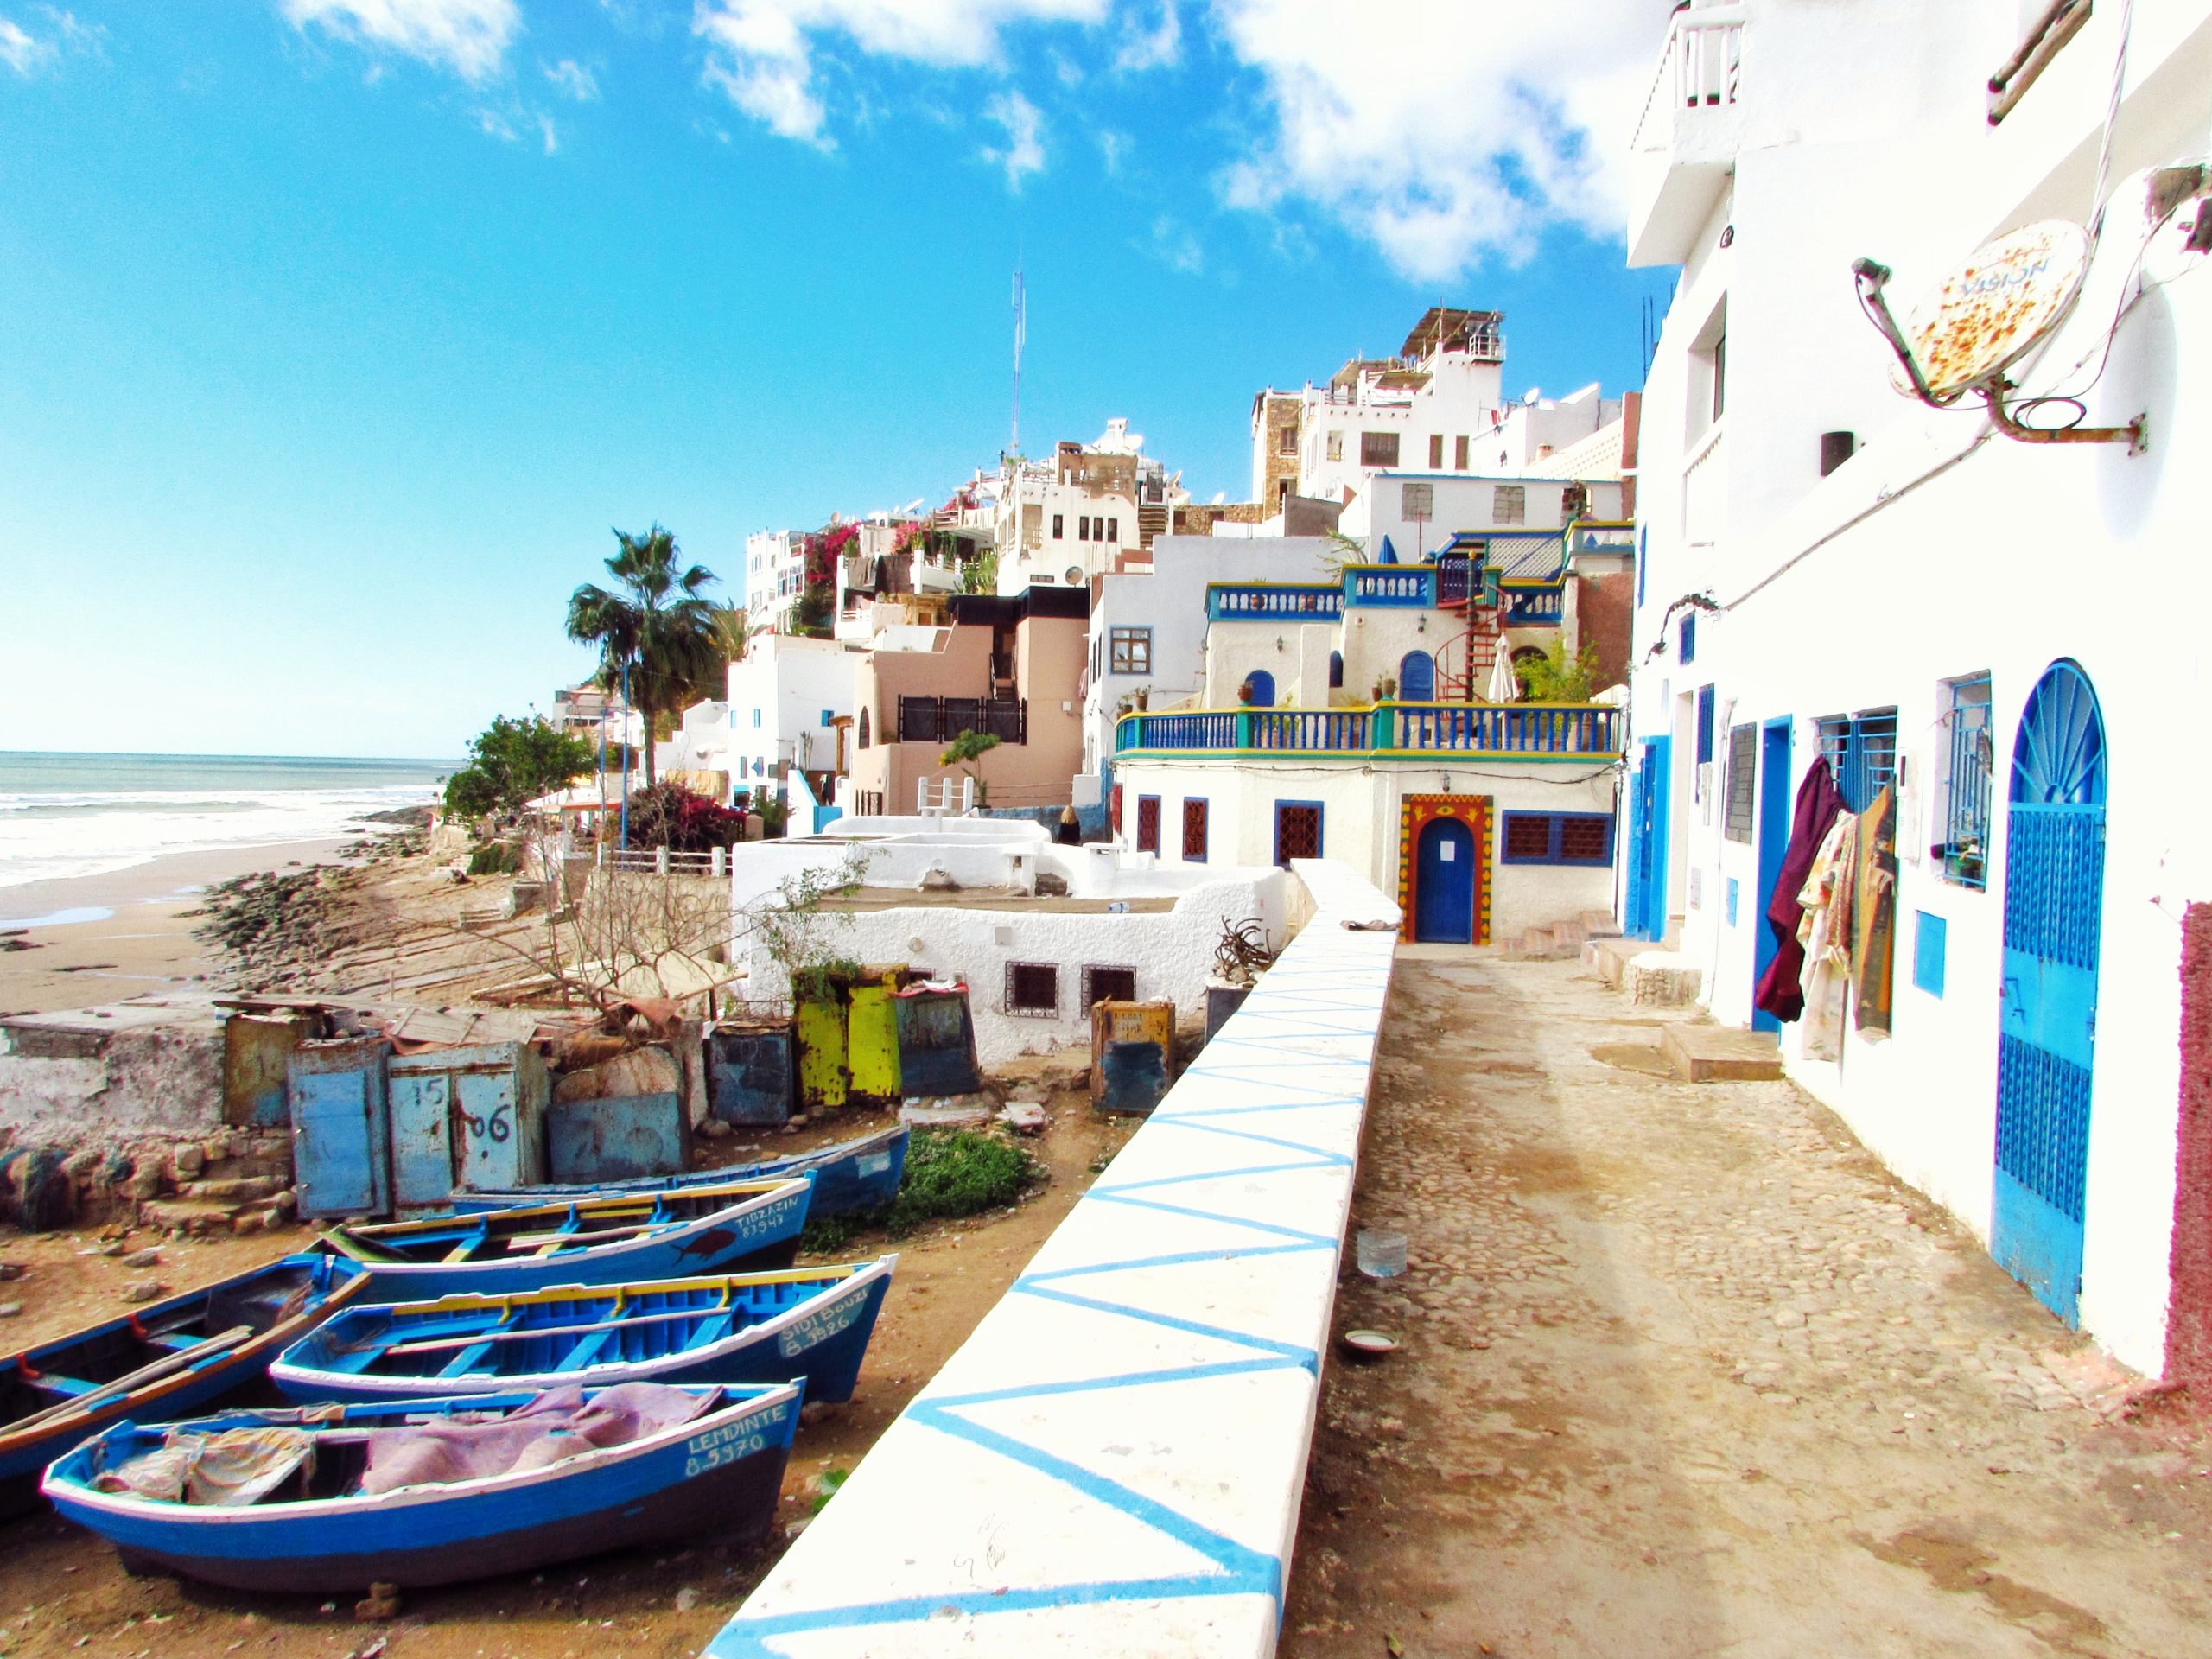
1417,676
2047,1030
1263,688
1444,883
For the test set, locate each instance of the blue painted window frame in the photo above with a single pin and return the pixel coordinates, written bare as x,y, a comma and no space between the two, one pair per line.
1320,830
1554,824
1686,638
1970,784
1734,888
1206,828
1931,942
1704,714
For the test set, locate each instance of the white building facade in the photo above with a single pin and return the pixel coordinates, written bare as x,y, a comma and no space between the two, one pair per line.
1831,570
790,705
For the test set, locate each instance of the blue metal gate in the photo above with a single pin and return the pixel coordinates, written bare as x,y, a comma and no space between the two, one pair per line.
1444,883
2053,908
1774,824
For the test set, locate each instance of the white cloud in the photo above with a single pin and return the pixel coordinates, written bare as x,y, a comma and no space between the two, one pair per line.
1175,247
552,137
1024,152
1157,47
469,37
62,33
573,80
1441,130
761,53
1112,148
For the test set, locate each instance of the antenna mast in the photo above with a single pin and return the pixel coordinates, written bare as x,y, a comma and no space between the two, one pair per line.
1020,328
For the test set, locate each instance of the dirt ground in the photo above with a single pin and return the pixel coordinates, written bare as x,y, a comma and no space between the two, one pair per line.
1684,1371
61,1592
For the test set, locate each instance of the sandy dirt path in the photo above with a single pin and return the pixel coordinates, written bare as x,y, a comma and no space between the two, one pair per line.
1685,1372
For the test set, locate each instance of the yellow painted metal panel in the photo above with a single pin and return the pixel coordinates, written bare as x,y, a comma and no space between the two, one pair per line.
872,1043
823,1080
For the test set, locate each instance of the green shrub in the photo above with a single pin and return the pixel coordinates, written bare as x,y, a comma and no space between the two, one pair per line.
950,1173
495,858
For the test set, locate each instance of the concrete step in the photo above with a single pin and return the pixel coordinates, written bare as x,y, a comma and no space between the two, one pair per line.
1609,958
1702,1053
1662,979
1600,924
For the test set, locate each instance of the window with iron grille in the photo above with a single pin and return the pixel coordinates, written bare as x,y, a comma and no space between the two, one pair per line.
1148,823
1743,781
1298,831
1704,724
1862,750
1582,838
1509,504
1132,649
1968,751
1101,984
1114,811
1032,989
1194,829
1378,448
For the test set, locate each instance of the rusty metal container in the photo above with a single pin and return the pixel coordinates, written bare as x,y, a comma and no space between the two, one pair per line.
752,1072
618,1139
466,1117
1131,1056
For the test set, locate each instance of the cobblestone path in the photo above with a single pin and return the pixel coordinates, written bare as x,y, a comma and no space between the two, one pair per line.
1685,1371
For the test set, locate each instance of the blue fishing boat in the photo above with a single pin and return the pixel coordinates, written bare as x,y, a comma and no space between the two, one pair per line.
166,1359
852,1175
615,1239
813,1322
331,1499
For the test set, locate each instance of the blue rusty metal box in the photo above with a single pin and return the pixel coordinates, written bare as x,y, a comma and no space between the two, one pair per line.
465,1118
340,1127
619,1138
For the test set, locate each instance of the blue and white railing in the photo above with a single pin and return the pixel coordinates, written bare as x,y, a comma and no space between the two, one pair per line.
1533,731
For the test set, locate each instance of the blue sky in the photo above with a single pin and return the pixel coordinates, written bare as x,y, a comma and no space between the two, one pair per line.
339,332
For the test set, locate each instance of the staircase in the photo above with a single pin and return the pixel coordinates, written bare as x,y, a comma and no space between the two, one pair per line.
1464,662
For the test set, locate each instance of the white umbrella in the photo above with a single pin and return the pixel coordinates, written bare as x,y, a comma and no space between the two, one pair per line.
1504,686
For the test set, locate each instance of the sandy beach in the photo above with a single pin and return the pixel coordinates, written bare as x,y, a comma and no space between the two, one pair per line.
144,943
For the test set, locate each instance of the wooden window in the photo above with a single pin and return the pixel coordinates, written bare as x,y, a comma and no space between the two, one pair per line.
1742,780
1436,451
1286,440
1114,811
863,728
1509,504
1103,984
1576,838
1132,650
1113,530
1298,831
1032,989
1059,523
1459,454
1148,823
1378,448
1194,829
1083,528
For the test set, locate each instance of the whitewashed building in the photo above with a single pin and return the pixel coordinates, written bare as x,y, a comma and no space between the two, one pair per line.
1995,629
1088,510
775,576
790,709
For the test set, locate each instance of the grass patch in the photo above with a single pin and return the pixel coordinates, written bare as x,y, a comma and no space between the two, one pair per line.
950,1173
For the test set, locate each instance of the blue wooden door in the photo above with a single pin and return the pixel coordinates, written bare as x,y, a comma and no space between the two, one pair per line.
1648,917
1774,843
422,1137
1416,676
1444,883
341,1157
2046,1046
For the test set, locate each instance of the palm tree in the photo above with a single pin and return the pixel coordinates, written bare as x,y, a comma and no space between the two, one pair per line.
733,632
656,632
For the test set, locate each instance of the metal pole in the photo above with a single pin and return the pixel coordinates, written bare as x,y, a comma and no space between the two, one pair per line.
625,757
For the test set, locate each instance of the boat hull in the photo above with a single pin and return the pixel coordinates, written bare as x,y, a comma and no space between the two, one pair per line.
855,1175
24,1456
754,1236
721,1474
822,1340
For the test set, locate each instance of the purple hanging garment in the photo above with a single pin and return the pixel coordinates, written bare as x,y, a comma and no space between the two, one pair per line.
1779,992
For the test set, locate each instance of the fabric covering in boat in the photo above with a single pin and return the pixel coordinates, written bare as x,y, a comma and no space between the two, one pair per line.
557,1424
228,1471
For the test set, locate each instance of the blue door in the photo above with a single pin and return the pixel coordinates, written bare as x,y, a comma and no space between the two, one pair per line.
1444,883
1416,676
1774,842
1648,890
341,1158
1263,688
2047,1032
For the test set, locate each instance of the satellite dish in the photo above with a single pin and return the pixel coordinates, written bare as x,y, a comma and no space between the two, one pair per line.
2000,303
1074,575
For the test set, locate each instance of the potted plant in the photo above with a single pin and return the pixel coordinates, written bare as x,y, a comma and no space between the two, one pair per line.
1247,692
1143,697
1386,688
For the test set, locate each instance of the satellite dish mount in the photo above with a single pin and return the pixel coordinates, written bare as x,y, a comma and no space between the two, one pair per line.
1998,307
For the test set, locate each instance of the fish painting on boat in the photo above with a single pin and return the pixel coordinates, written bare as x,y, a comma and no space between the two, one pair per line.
329,1499
852,1175
165,1360
622,1238
765,1327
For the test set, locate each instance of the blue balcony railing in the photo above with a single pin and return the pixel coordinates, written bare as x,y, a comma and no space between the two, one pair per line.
1525,730
1413,586
1272,602
1535,607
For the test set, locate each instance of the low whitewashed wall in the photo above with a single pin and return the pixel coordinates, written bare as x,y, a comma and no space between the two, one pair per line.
84,1079
1112,1463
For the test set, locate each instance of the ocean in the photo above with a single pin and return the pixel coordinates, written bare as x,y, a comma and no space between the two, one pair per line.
76,815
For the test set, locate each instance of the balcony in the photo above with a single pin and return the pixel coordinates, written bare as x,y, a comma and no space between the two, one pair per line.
1687,140
1516,731
1273,601
1534,604
1410,587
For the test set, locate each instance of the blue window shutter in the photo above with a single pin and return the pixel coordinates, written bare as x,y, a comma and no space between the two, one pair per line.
1928,937
1704,724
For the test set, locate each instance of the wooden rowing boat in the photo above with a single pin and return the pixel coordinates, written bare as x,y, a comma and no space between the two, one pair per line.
852,1175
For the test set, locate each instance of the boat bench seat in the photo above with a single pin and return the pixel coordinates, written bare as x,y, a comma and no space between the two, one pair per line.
586,1352
175,1342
